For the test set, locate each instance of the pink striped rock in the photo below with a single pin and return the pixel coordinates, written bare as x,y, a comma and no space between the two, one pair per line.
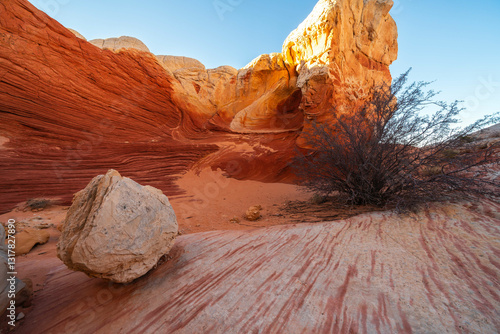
433,272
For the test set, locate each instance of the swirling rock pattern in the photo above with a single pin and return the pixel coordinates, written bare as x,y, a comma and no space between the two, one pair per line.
70,110
437,271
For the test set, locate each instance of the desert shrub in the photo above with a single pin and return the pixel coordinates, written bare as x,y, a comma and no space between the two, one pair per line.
387,151
483,146
318,199
450,154
37,204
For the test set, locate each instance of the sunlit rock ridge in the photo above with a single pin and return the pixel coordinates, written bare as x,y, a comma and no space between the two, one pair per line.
71,109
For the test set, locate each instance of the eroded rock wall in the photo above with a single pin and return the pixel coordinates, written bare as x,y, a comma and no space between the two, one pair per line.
71,109
334,57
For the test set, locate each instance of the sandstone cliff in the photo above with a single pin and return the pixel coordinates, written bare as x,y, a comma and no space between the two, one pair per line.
342,49
70,110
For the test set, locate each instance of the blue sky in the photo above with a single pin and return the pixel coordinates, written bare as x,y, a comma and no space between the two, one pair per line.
455,43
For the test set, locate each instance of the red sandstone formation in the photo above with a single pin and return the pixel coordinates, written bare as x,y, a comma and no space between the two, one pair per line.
70,110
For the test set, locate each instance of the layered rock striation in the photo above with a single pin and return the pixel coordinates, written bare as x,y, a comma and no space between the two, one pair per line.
334,57
10,285
71,109
433,271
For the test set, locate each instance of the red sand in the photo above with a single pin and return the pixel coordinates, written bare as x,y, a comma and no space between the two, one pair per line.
212,200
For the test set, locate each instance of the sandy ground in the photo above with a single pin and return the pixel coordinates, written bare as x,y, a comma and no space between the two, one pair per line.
432,272
212,202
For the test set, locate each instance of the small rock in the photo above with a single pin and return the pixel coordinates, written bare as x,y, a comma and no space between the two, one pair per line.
28,238
20,316
253,213
234,220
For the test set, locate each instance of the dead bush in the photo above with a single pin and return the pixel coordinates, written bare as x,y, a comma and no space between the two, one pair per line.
37,204
387,151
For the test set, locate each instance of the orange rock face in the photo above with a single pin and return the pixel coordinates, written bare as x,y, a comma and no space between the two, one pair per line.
340,51
70,110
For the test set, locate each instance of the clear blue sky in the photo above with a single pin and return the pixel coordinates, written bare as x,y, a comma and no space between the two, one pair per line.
454,42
